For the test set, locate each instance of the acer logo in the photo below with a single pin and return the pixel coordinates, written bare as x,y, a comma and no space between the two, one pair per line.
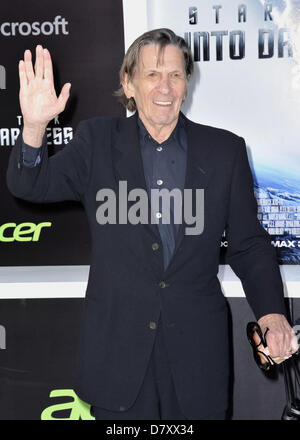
78,409
23,232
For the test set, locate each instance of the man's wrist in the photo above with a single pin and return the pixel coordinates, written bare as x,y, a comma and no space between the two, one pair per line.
33,135
269,317
31,156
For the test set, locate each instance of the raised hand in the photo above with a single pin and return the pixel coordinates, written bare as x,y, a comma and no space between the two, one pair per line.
38,100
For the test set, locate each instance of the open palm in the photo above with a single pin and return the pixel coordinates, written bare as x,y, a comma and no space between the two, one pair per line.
38,100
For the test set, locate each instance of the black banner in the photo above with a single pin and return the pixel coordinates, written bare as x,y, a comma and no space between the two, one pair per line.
37,368
86,42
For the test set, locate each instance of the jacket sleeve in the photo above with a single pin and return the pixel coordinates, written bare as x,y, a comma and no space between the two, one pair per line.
250,252
31,156
63,176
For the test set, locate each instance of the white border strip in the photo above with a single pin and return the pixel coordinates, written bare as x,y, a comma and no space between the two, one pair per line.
134,19
71,282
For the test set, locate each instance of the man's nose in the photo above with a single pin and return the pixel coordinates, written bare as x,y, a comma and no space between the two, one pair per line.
164,85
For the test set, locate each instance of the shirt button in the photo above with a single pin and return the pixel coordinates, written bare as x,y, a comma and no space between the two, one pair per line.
155,246
159,182
158,215
152,325
158,148
162,284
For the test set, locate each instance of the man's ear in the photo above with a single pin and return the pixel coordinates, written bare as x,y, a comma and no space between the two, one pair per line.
127,87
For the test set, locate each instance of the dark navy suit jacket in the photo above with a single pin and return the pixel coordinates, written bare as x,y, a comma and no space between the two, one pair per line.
128,287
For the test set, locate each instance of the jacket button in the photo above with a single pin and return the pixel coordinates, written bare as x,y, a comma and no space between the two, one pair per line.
155,246
162,284
19,165
122,408
152,325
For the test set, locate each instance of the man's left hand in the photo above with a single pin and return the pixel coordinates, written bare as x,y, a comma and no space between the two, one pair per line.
281,339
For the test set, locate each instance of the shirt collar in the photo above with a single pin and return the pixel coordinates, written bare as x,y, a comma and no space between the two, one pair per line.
145,135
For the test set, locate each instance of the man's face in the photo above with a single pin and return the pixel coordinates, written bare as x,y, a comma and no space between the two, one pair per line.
158,88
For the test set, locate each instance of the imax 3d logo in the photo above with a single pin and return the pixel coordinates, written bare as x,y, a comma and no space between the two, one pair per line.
23,232
57,27
2,78
193,15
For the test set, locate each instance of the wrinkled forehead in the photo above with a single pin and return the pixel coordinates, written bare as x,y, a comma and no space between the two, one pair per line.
154,56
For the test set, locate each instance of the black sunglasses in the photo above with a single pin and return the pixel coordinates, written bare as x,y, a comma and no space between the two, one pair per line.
258,343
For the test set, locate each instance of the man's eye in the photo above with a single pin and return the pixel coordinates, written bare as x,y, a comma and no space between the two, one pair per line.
152,74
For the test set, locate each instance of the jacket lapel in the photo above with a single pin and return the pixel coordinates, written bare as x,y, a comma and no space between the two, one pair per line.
198,170
127,158
128,165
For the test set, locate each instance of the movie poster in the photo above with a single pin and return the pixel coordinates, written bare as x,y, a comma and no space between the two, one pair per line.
247,80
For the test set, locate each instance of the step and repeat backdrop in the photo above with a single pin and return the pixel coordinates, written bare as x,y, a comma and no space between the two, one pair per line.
247,80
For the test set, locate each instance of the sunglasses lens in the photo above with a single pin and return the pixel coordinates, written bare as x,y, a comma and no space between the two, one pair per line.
262,360
256,339
257,342
254,336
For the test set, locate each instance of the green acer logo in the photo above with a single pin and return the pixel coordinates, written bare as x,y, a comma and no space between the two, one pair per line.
78,408
23,232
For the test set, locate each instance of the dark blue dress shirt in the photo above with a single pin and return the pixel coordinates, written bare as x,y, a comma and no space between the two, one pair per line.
164,167
31,155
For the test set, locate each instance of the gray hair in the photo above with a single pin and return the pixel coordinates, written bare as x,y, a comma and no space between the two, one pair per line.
162,38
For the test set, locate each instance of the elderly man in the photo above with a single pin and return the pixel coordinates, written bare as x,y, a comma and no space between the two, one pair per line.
154,343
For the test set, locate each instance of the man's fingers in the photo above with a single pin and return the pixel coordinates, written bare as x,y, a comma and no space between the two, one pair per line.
282,345
22,75
28,65
64,95
276,344
39,62
48,68
279,360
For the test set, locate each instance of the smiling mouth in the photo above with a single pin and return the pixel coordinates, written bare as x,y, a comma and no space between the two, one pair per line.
163,103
